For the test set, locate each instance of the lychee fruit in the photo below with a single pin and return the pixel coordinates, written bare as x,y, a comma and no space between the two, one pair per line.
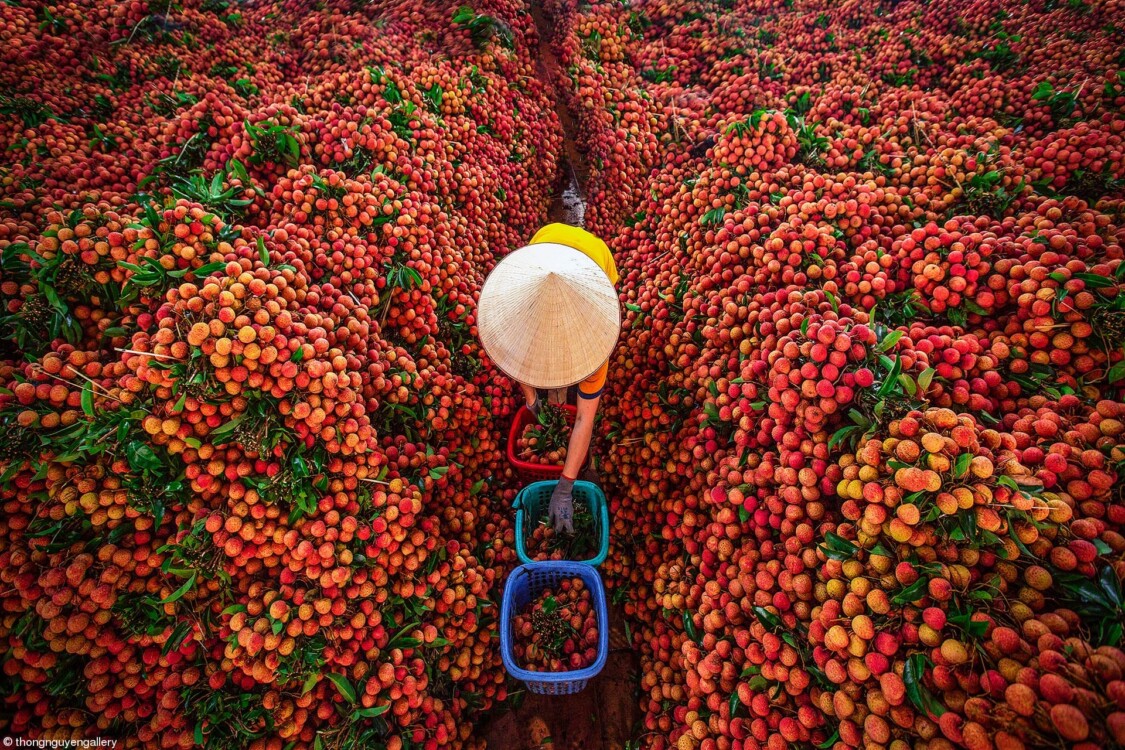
1038,578
1070,722
1115,723
934,616
894,689
1007,639
1021,698
954,652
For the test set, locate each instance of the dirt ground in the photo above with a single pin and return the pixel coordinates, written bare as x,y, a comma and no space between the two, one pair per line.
604,715
601,717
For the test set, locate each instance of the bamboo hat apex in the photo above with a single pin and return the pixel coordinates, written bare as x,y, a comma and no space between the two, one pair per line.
548,315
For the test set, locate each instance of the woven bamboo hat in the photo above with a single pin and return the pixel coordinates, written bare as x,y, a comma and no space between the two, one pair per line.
548,315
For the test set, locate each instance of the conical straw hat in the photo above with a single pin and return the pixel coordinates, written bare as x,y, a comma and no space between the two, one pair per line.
548,315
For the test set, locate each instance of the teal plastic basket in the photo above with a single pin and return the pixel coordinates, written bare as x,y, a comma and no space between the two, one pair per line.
534,501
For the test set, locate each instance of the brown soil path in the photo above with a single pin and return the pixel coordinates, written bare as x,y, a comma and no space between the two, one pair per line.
601,717
569,205
604,715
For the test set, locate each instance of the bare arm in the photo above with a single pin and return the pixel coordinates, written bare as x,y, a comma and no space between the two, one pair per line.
580,436
528,394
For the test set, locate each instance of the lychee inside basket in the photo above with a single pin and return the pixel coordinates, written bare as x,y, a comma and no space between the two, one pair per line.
591,520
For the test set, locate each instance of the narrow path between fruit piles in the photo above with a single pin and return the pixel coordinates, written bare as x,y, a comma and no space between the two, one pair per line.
569,204
604,715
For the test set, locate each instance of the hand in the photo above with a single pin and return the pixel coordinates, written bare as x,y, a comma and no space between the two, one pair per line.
561,511
534,406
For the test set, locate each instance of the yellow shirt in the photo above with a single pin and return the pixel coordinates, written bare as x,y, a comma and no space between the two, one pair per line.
597,251
579,239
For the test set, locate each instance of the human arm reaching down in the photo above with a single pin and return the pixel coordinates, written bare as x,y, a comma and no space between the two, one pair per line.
561,512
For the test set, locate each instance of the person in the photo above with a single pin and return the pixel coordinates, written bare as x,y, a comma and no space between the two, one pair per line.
548,317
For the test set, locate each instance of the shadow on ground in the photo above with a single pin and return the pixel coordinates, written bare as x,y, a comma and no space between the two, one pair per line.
601,717
605,714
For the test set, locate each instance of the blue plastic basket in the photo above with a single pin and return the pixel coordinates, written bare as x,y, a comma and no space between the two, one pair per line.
533,502
527,582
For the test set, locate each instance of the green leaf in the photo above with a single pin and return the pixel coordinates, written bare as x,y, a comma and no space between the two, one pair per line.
141,457
841,434
880,550
1117,372
961,465
912,676
176,638
433,97
343,686
181,591
859,418
262,252
911,593
1094,281
758,683
225,429
888,386
371,713
689,627
238,169
925,378
310,682
88,399
208,269
294,149
767,618
835,547
713,217
297,355
888,342
964,620
1008,482
180,403
734,703
832,740
53,297
1110,586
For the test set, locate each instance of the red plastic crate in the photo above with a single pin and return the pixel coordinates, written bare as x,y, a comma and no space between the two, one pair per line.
529,472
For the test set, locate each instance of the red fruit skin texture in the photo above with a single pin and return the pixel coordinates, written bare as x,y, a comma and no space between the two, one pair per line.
862,434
